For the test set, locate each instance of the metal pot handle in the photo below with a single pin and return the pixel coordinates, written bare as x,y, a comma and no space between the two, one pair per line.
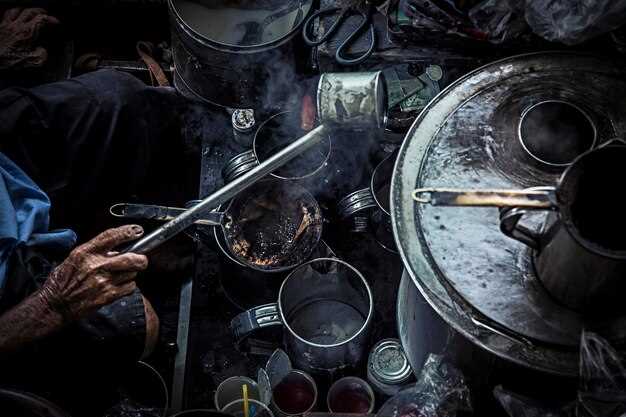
161,213
513,205
256,318
510,217
509,225
530,198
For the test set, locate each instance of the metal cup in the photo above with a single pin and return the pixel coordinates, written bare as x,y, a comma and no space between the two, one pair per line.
230,390
326,309
350,395
272,135
257,409
368,209
355,97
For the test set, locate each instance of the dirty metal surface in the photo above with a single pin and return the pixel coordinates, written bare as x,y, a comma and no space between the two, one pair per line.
479,280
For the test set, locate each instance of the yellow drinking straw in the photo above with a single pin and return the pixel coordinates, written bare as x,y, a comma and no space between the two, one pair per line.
246,403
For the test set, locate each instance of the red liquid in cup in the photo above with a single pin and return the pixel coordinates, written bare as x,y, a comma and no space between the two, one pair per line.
294,395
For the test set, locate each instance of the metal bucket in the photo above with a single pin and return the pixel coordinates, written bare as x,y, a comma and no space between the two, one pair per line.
229,72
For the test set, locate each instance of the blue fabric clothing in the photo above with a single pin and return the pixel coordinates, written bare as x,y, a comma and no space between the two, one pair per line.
24,216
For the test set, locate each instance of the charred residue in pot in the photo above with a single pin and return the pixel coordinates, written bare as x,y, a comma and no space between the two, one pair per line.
275,227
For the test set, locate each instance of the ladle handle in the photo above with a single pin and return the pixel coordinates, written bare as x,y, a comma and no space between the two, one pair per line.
536,199
161,213
256,318
228,191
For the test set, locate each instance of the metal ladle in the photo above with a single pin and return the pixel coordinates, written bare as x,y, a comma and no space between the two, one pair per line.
356,100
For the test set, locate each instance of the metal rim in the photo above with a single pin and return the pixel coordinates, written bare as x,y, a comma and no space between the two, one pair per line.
537,158
311,381
235,48
363,327
565,212
162,382
381,93
323,164
34,400
235,259
359,381
255,402
245,379
200,410
377,172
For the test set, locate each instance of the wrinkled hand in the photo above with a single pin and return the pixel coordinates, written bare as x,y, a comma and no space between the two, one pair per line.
19,31
92,276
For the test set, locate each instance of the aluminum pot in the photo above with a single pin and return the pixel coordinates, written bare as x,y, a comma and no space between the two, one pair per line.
232,54
482,283
326,309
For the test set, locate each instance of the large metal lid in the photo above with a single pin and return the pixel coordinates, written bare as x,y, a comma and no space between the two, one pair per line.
242,23
479,280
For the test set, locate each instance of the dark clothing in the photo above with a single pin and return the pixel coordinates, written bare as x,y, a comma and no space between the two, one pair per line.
90,139
87,142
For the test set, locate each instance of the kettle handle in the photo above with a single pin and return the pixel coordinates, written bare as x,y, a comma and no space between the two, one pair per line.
510,217
509,225
256,318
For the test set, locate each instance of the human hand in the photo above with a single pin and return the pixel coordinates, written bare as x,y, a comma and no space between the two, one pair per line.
19,31
92,276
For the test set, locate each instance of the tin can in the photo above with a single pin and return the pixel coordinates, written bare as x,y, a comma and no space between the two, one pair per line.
243,125
388,368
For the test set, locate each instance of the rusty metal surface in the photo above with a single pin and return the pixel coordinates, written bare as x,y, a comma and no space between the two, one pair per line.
466,138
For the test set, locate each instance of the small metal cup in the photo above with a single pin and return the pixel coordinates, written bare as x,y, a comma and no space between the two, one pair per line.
326,308
350,395
358,98
257,409
272,135
230,390
368,209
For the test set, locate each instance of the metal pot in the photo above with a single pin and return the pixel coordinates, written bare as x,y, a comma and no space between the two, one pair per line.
368,208
232,54
255,230
326,308
273,134
481,282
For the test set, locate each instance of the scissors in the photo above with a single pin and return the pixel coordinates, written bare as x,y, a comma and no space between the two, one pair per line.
363,8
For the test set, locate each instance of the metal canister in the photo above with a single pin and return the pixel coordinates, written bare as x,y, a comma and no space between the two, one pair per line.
388,368
243,126
355,97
